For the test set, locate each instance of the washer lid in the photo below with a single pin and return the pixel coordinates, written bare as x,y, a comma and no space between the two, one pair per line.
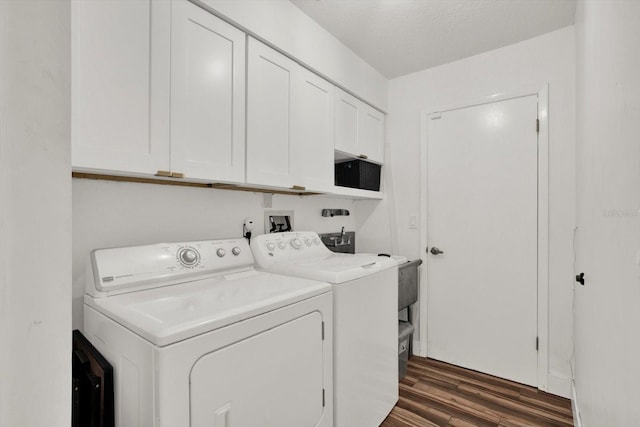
174,313
334,268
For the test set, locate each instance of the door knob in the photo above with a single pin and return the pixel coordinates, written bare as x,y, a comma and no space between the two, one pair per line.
436,251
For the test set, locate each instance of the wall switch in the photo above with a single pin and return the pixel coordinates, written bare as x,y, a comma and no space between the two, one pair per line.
413,222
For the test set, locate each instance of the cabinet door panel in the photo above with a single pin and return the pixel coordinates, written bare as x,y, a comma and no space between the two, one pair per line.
313,131
346,122
371,133
120,85
207,88
270,82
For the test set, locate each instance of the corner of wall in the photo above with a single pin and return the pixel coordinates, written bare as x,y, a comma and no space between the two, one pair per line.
577,421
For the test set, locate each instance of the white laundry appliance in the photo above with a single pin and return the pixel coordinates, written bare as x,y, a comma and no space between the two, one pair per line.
198,338
365,327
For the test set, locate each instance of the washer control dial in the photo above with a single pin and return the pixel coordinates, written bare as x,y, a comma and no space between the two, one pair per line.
221,252
188,256
271,246
307,242
282,245
316,241
296,243
236,250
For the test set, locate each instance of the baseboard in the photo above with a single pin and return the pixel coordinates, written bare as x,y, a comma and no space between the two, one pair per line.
418,350
577,420
559,385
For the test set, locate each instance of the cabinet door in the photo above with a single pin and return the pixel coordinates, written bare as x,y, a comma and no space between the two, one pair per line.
269,103
207,95
346,122
371,133
120,85
313,134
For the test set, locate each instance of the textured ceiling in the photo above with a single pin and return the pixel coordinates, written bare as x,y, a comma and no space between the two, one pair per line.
399,37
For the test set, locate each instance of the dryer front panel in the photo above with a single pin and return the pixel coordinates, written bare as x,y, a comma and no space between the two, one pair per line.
272,379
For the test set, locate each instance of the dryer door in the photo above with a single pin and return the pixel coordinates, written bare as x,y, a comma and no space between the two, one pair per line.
273,379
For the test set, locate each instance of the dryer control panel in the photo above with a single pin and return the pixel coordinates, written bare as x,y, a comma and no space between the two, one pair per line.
119,270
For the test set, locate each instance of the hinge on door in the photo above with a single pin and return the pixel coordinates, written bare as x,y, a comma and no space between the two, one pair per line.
323,398
537,343
538,125
322,332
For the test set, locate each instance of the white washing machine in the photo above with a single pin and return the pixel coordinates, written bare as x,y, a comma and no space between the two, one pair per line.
365,327
199,338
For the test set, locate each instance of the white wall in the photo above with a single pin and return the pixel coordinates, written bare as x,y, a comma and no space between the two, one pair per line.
282,24
607,317
525,66
35,214
108,214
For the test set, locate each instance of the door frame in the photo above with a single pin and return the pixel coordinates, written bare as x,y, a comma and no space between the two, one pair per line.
543,221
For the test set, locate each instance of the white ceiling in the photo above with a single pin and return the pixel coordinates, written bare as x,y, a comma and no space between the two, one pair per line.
399,37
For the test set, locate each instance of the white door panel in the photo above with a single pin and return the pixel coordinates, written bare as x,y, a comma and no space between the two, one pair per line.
313,131
207,95
270,85
371,133
347,116
482,212
120,102
260,382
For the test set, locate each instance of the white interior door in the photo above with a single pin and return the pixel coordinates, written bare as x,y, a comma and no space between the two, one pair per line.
482,214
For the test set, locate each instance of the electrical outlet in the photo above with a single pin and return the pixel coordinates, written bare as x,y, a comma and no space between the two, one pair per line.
413,222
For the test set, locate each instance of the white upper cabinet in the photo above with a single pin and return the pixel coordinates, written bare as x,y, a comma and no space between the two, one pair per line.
359,128
313,127
120,85
269,103
371,132
158,86
166,88
346,120
207,95
289,123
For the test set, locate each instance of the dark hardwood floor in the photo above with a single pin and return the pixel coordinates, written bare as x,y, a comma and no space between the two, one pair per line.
438,394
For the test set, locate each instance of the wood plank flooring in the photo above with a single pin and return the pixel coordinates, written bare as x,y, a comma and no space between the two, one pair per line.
438,394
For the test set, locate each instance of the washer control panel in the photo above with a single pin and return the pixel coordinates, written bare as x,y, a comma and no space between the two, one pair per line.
270,248
128,268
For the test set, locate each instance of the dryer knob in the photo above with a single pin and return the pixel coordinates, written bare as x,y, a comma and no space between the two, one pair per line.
236,250
221,252
188,256
271,246
282,245
296,243
316,241
308,242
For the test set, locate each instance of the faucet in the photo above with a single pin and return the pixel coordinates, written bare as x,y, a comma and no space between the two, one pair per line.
342,234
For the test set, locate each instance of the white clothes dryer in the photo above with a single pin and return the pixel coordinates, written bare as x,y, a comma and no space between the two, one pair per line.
365,327
199,338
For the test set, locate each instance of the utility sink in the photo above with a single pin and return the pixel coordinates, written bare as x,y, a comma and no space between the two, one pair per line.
408,283
340,242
